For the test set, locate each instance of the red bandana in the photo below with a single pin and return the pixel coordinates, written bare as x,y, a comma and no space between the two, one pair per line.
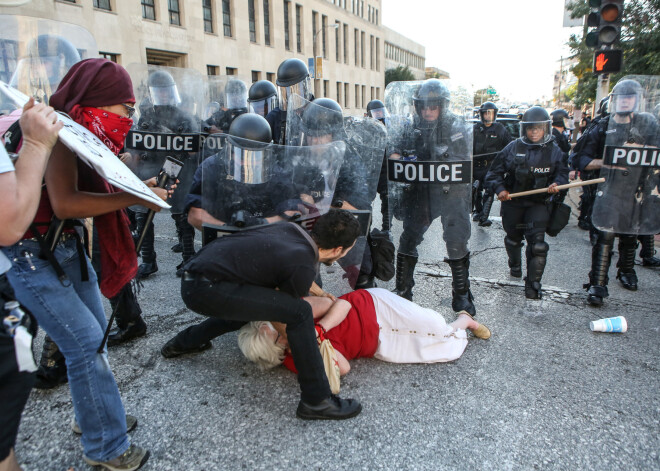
109,127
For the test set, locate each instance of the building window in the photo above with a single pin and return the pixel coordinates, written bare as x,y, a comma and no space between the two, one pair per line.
314,32
226,17
376,16
175,13
364,96
267,22
231,70
345,43
357,96
339,93
326,88
270,76
377,93
252,18
298,28
110,56
208,16
373,97
148,10
212,70
362,49
356,37
337,47
102,4
378,54
287,28
324,40
166,58
346,89
372,46
256,76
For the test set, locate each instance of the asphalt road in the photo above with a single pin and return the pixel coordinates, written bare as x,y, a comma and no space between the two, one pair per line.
543,393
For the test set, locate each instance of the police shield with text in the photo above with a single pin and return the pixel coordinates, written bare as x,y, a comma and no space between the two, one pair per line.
627,204
430,174
165,129
531,162
490,137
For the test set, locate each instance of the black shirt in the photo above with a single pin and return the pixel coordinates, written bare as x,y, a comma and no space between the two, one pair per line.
279,255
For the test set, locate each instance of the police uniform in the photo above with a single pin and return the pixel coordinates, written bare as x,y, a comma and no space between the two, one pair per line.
488,141
521,167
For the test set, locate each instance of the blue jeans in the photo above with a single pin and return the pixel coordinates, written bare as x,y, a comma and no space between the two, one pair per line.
73,316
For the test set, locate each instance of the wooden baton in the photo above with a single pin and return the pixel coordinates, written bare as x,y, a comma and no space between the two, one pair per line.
560,187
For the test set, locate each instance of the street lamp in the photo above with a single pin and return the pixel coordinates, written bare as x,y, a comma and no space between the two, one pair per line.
333,26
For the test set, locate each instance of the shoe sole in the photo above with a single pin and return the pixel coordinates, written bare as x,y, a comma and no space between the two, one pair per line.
100,463
317,417
179,353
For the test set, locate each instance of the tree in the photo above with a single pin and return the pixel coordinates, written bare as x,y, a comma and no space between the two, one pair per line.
640,42
482,96
399,74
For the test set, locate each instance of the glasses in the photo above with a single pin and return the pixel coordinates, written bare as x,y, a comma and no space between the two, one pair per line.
129,109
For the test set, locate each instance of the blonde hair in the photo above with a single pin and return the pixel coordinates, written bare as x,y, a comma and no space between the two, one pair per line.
258,347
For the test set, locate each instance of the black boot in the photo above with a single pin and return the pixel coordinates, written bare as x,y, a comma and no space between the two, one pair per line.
52,367
365,281
648,251
460,292
147,252
626,264
130,324
514,251
601,254
178,247
537,254
187,240
405,270
485,212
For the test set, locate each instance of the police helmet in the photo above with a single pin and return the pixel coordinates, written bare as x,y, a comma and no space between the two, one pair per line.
262,97
376,109
535,119
294,83
249,157
486,106
622,92
323,116
604,107
162,89
559,118
291,72
236,95
431,93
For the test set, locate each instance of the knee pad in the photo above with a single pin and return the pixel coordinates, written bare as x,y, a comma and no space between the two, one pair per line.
539,248
509,242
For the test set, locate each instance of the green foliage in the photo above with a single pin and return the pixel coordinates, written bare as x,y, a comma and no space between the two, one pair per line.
399,74
482,96
640,41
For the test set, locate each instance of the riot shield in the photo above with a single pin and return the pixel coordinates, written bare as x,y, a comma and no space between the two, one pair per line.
226,99
430,162
247,183
167,124
628,202
37,53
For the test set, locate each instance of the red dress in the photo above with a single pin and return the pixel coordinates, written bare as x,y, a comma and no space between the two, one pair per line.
357,335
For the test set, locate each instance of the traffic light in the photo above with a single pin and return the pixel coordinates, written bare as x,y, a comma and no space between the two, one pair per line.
607,61
609,27
605,17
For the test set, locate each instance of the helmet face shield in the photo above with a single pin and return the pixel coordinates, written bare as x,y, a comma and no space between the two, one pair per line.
379,113
248,166
536,132
624,104
488,116
164,96
296,95
265,106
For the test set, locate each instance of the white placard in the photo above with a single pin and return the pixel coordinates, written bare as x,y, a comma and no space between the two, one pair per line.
94,153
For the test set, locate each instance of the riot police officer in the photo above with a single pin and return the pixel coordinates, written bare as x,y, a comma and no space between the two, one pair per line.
262,97
165,115
531,162
435,134
236,103
376,109
625,125
292,80
559,126
489,138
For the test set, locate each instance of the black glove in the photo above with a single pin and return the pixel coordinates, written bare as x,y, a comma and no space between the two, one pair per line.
242,218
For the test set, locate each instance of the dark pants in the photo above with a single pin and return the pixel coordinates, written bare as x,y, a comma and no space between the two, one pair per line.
246,303
524,220
205,331
482,191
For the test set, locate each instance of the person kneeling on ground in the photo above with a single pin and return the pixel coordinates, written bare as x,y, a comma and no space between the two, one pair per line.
368,323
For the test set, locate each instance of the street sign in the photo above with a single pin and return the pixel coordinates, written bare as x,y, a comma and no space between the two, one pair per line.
607,61
491,91
319,67
310,66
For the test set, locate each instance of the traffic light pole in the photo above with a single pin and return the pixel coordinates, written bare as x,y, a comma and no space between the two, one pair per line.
602,89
